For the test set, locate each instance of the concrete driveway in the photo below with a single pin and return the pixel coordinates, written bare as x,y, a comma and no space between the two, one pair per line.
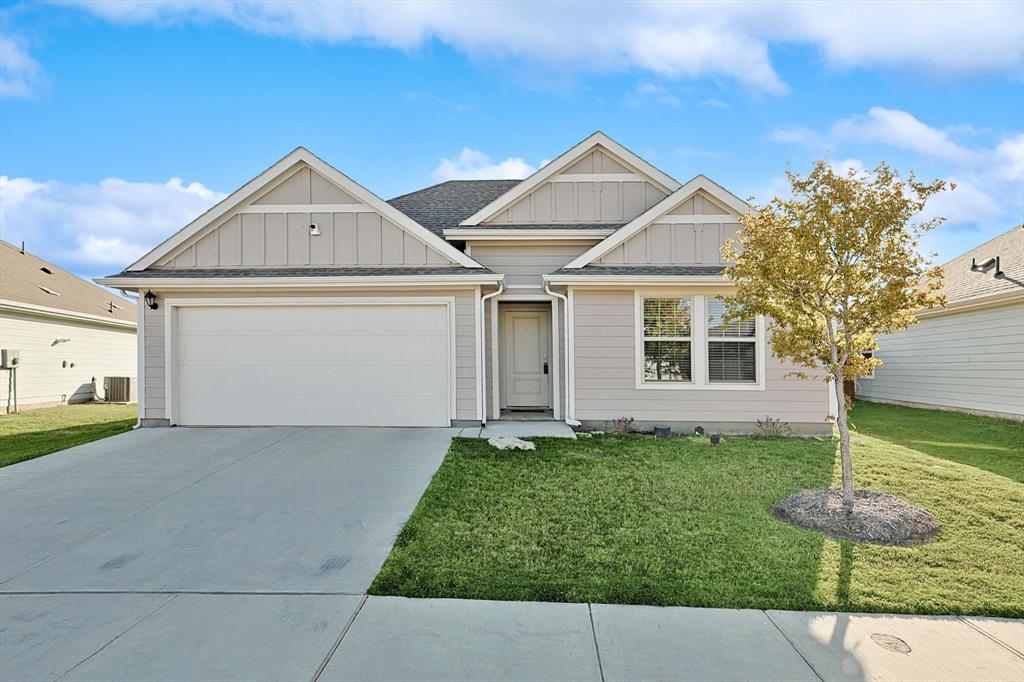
264,537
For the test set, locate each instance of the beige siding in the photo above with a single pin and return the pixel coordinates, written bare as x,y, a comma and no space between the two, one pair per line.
568,198
465,343
273,239
605,377
94,351
524,263
672,240
972,361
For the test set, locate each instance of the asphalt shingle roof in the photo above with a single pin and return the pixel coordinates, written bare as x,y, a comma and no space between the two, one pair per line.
960,282
444,206
628,270
24,280
303,272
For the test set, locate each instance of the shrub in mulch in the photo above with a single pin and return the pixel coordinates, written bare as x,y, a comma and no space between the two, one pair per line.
876,518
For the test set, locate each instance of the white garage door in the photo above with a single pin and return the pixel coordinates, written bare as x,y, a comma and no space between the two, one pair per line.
314,365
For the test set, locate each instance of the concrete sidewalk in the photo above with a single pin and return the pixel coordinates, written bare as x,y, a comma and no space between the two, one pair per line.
161,636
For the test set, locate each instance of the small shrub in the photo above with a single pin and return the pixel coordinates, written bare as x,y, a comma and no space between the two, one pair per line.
623,424
773,427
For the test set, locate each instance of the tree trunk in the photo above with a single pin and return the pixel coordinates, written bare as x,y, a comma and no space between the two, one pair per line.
844,440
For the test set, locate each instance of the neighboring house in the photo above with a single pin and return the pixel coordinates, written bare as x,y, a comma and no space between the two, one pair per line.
67,332
969,355
584,292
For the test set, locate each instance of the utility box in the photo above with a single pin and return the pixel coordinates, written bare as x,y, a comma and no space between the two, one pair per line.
119,390
9,358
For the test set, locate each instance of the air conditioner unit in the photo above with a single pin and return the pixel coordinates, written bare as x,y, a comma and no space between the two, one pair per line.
119,389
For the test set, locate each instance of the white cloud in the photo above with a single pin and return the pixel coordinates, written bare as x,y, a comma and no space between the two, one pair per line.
967,204
805,137
96,228
472,164
20,74
902,130
652,92
1009,159
673,40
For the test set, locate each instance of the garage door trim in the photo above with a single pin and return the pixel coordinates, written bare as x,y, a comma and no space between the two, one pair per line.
170,320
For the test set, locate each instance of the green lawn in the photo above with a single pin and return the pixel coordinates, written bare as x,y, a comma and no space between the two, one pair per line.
989,443
33,433
631,519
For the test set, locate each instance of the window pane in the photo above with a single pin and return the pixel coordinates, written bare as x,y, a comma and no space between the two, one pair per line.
667,316
666,360
736,328
731,361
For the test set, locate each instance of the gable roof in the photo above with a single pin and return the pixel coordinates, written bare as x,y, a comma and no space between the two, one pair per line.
960,282
24,281
649,216
564,160
254,186
445,205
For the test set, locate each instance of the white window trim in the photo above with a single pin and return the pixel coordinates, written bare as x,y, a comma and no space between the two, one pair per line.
171,306
642,349
698,347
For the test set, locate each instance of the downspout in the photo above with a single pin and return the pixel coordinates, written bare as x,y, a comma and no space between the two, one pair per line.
569,417
483,353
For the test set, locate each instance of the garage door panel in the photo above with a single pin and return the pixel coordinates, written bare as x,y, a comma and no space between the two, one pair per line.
373,365
389,320
265,351
338,380
255,410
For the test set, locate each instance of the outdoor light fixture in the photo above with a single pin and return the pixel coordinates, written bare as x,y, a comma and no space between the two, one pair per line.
150,299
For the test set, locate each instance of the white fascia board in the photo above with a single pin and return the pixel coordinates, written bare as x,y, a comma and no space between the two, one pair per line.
300,155
629,280
665,182
654,212
368,281
506,234
57,313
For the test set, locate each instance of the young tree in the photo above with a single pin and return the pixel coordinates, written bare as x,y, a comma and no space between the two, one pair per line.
832,268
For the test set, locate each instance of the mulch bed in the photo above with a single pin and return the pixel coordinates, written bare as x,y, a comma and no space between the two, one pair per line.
876,518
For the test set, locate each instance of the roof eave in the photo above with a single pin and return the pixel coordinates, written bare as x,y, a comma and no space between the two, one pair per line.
364,281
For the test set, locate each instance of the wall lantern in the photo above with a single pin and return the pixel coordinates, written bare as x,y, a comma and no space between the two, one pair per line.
150,299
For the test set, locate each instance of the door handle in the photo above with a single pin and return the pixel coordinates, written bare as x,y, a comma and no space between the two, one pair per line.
545,367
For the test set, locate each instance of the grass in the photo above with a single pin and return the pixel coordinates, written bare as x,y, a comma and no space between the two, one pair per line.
634,520
989,443
34,433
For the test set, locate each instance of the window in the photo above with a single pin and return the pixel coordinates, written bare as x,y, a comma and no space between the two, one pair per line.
668,324
868,355
732,347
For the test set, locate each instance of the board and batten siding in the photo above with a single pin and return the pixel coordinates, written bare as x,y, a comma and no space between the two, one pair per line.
676,239
605,378
43,378
617,194
154,350
357,237
971,361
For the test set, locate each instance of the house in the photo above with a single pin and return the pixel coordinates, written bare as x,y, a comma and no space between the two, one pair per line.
67,333
969,355
583,293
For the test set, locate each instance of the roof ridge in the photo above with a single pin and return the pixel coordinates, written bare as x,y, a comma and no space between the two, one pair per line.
448,182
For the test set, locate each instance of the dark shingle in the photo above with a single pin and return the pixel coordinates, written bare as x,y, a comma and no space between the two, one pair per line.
628,270
303,272
444,206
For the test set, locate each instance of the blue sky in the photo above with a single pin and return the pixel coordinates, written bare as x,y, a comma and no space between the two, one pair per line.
121,122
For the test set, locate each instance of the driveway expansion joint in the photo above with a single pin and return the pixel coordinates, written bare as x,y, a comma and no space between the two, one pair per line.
337,643
793,646
1015,652
597,647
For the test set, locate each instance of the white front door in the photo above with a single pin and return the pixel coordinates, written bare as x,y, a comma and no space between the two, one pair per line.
527,362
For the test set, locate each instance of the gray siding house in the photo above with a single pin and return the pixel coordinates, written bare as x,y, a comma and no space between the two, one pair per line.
586,292
968,356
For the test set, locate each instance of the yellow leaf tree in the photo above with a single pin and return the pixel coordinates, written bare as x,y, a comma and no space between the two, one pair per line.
833,267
